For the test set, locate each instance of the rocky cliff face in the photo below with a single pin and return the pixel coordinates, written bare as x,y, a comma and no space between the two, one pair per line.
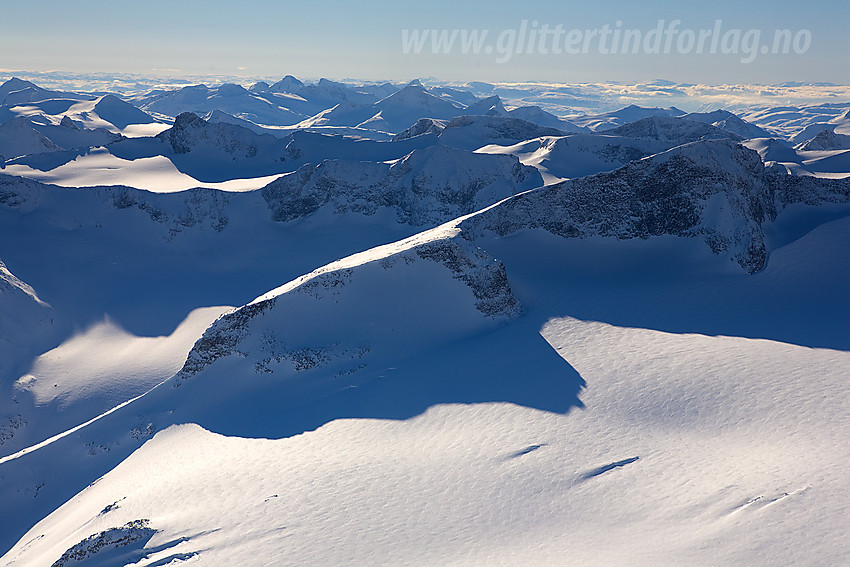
420,127
170,213
427,186
715,190
672,130
813,191
192,133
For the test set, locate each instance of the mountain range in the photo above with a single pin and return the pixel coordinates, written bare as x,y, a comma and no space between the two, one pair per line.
337,323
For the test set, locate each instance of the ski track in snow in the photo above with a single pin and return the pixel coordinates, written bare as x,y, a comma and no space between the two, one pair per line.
107,368
445,495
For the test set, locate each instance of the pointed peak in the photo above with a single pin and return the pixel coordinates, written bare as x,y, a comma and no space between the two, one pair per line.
110,100
186,119
16,83
68,123
287,84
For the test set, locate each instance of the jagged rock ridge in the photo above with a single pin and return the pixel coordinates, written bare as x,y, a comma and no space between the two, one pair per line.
426,187
715,190
270,330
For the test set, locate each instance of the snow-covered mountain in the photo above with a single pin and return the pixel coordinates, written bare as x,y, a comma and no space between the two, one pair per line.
421,127
19,138
328,341
547,119
17,92
23,136
772,151
25,322
418,278
730,122
473,132
672,130
120,113
212,151
426,187
715,190
284,131
578,155
462,97
798,123
393,113
433,186
12,85
490,106
413,326
631,113
827,139
104,112
805,160
69,135
230,98
325,91
288,84
190,133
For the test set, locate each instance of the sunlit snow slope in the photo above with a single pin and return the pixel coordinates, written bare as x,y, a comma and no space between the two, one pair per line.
378,324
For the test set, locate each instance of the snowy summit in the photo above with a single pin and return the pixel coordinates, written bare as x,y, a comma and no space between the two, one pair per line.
295,322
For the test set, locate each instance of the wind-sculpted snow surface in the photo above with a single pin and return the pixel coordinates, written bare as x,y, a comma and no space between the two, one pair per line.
427,186
714,190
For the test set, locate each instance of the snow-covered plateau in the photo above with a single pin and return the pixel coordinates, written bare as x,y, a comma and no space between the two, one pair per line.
331,323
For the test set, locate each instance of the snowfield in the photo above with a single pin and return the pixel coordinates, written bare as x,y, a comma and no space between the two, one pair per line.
378,324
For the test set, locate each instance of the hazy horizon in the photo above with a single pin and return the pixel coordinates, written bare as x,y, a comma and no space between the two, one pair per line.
341,40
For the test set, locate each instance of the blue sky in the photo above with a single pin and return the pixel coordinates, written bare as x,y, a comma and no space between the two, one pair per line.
339,39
